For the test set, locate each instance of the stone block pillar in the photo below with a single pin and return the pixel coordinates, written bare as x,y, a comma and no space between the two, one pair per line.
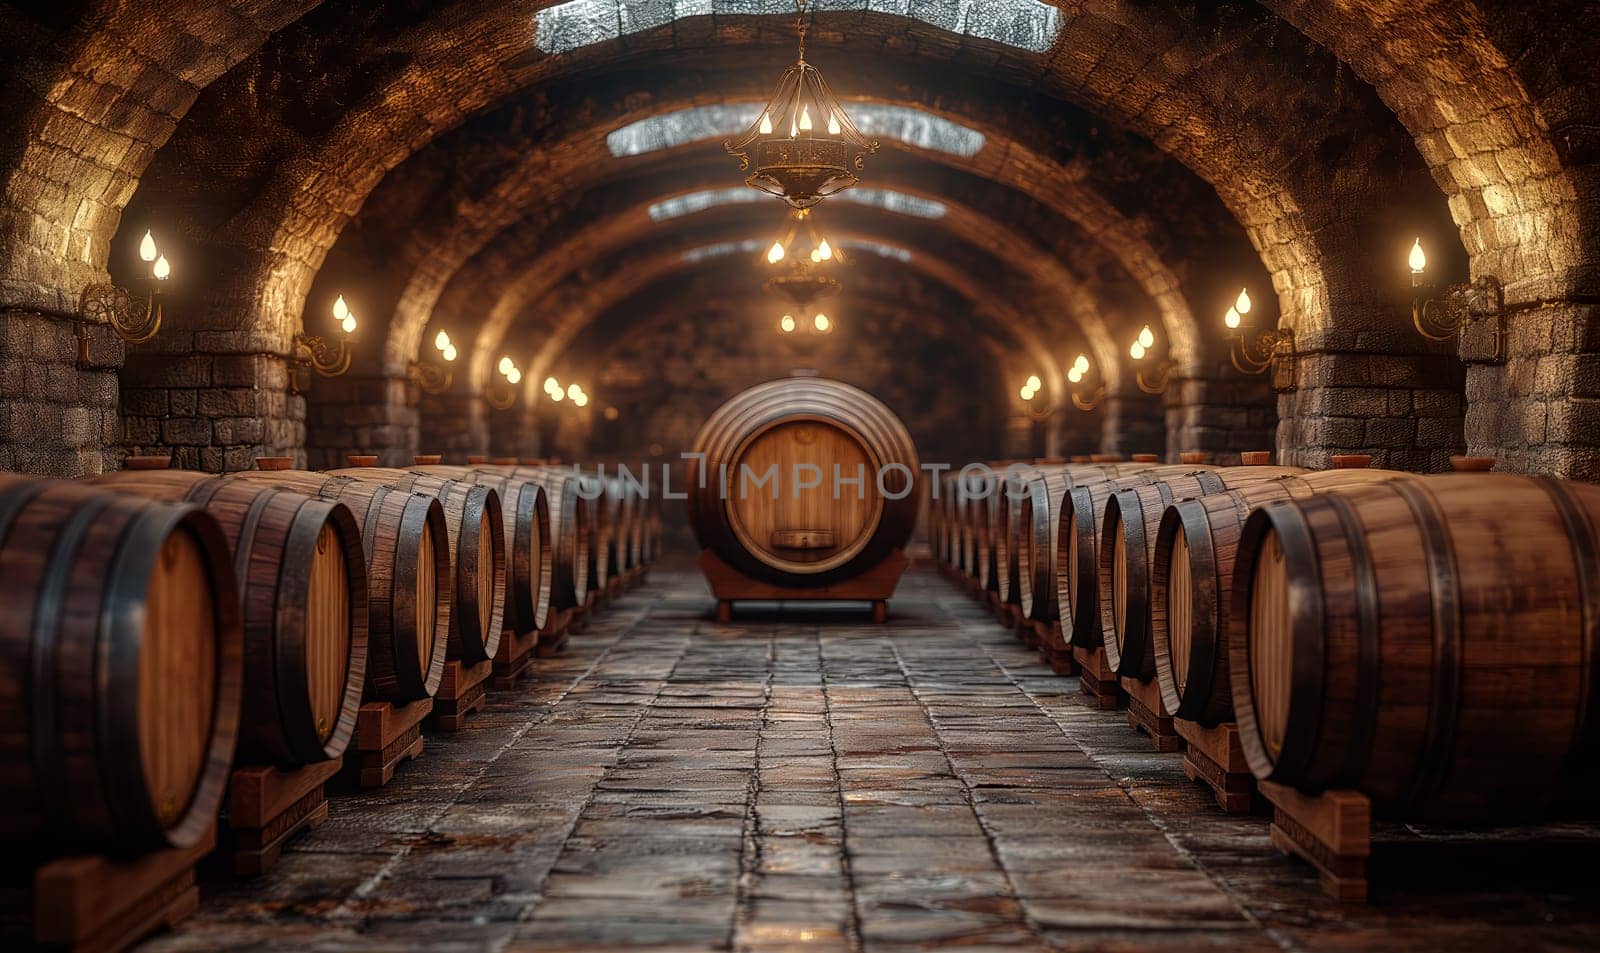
365,415
57,417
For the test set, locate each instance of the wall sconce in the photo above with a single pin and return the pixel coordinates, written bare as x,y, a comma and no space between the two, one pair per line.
819,325
1075,375
113,306
1155,384
1442,312
435,379
1271,350
503,396
1030,390
316,353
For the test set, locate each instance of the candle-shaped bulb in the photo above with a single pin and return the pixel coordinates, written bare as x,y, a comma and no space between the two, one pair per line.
787,324
348,324
1147,338
515,377
1244,304
833,125
821,323
449,352
775,253
573,390
1231,319
161,269
766,124
340,309
1034,383
1081,365
805,118
825,251
1075,375
1419,258
1026,394
556,395
816,256
441,340
1136,351
582,400
147,247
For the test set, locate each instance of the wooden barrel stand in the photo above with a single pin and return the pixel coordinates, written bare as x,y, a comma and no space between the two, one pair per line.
1213,757
268,806
875,586
515,657
462,691
1146,713
1331,831
386,734
1096,681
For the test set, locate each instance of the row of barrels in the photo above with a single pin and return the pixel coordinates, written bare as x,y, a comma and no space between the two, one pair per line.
1430,641
167,626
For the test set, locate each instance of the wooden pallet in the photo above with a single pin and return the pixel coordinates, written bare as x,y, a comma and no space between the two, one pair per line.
875,586
1052,651
267,807
1146,713
92,904
462,691
1331,831
385,736
1096,681
553,639
1213,757
514,657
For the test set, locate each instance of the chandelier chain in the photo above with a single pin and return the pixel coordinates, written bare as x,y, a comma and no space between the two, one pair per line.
800,26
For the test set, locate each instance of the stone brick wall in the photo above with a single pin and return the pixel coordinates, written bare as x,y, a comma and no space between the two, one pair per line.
214,412
57,418
454,425
1540,411
1222,416
362,415
1132,423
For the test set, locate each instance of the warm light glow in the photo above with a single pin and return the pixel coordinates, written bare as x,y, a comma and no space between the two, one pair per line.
821,323
1034,383
1147,337
1075,376
1137,351
1081,365
550,383
340,309
582,400
766,124
573,391
161,269
441,340
348,324
816,256
787,324
1027,393
1244,304
612,413
449,352
775,253
1419,258
515,377
825,250
833,125
1231,319
805,118
147,247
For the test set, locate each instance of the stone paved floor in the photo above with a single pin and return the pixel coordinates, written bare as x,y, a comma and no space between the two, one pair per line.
821,783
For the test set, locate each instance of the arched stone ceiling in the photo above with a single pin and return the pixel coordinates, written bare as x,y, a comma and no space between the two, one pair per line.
1266,130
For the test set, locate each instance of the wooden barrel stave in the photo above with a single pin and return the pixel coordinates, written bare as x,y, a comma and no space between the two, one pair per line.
120,665
405,541
1438,686
1203,534
300,563
525,509
853,418
1126,548
571,545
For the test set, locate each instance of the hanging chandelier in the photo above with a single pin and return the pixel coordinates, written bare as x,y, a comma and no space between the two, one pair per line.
803,148
806,278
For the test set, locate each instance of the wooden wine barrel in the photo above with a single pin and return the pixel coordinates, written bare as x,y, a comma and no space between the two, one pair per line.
806,537
1429,642
1038,523
1005,512
1126,547
303,599
525,510
120,657
1077,550
406,544
570,538
1191,584
476,531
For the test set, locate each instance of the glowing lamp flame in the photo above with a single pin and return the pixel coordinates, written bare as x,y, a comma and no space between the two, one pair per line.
348,324
1075,376
340,309
1231,319
825,251
821,323
787,324
147,247
1026,394
1034,383
805,118
1244,304
441,340
161,269
775,253
449,352
582,400
833,125
574,390
766,124
515,377
1419,258
1137,351
1081,365
557,396
1147,338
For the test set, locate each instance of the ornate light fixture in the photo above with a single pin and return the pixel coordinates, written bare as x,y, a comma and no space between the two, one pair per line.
1440,313
503,396
553,389
1030,390
806,280
1075,375
435,379
1272,349
315,353
1156,383
113,306
819,326
803,147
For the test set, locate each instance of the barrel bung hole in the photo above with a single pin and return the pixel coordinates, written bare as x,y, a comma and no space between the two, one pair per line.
1271,643
177,676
